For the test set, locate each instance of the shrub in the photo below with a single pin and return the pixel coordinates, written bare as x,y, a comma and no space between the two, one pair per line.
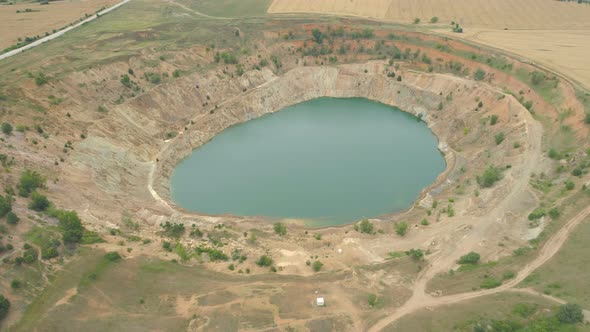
7,128
176,73
401,228
569,185
570,314
553,154
5,205
125,80
416,20
587,118
317,36
493,120
488,283
38,202
90,237
554,213
30,255
216,255
577,172
12,218
365,226
264,260
4,307
499,138
490,176
153,78
415,254
317,266
537,77
16,284
70,226
538,213
29,182
479,74
470,258
41,79
172,230
112,256
372,300
434,19
524,310
280,228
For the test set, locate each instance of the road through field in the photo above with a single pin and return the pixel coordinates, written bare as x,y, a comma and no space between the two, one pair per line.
61,32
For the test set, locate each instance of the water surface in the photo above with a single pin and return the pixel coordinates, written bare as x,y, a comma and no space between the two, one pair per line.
328,161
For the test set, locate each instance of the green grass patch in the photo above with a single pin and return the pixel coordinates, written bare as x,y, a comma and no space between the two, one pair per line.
229,8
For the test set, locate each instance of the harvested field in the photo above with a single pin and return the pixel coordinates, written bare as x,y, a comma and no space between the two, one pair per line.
552,33
565,51
498,14
43,18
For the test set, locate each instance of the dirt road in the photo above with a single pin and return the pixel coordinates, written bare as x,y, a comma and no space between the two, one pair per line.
421,300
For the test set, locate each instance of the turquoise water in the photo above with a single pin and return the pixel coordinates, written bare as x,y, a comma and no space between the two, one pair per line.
328,161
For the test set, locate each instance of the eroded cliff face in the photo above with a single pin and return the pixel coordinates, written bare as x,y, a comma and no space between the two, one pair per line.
125,163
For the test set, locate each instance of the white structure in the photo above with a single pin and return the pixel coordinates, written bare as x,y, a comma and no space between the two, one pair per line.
320,302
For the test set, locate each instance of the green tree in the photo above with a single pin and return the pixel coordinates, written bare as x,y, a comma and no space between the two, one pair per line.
479,75
12,218
29,182
415,254
401,228
554,213
317,266
490,176
570,314
470,258
41,79
493,120
70,226
38,202
317,35
499,138
365,226
5,205
488,283
7,128
112,256
280,228
125,80
264,260
4,307
537,77
372,300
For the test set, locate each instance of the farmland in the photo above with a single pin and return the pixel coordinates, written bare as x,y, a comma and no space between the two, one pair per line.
34,19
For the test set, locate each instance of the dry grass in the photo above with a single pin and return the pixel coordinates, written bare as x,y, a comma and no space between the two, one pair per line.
44,18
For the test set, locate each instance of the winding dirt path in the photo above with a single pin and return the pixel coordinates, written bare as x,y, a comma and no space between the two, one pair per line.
421,300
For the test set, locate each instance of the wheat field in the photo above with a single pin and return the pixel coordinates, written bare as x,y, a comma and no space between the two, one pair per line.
500,14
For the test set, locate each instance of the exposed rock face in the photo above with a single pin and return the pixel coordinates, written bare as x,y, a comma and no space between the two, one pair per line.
126,154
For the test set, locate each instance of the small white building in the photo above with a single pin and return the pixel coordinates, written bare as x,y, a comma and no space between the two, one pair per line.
320,302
